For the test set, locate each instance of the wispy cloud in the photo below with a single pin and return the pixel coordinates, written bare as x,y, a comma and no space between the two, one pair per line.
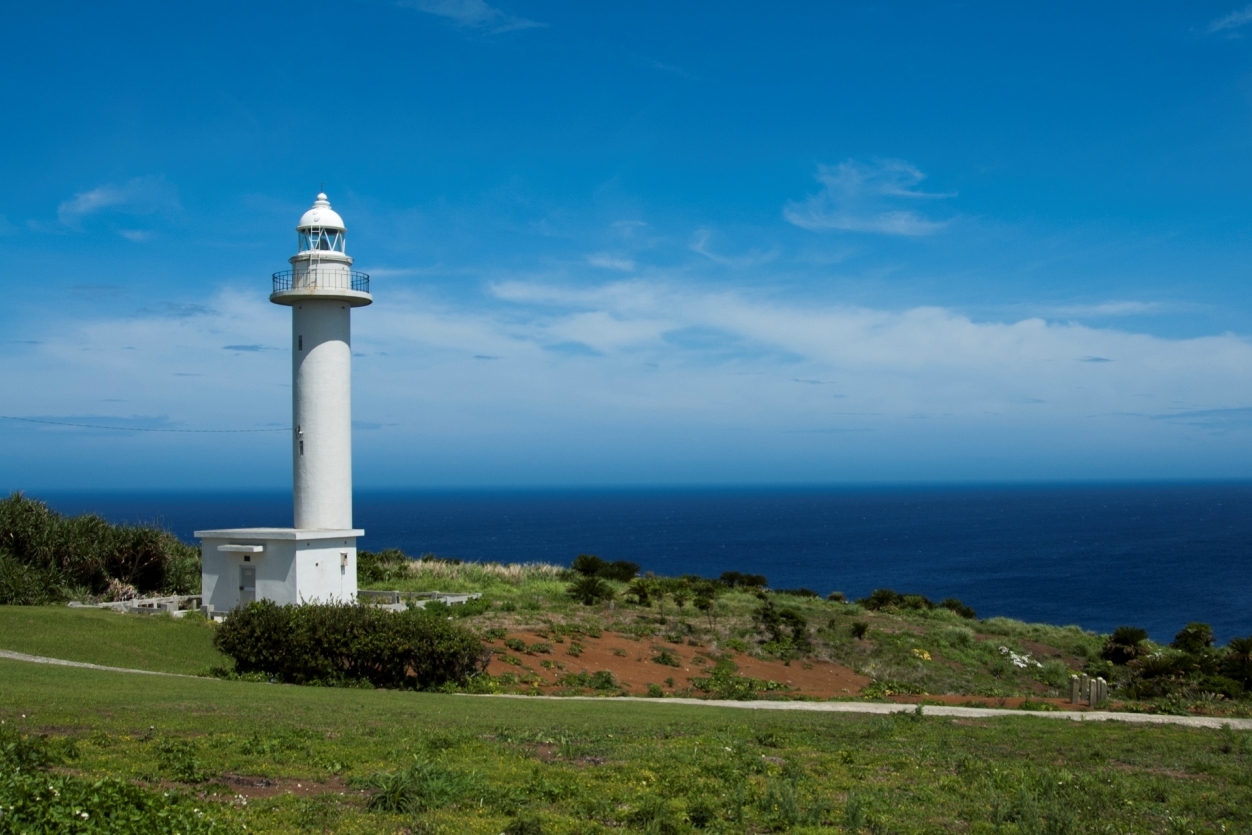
140,196
1109,308
686,366
1235,20
473,14
611,262
866,197
673,70
751,258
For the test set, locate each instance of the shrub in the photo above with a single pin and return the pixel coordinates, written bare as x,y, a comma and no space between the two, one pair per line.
955,605
1124,645
343,643
589,565
46,557
837,597
601,680
381,566
1194,638
737,580
725,682
1238,661
524,825
799,592
787,628
420,787
590,590
667,658
859,629
881,599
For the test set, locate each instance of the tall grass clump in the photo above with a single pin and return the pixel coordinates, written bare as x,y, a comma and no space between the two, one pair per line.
46,557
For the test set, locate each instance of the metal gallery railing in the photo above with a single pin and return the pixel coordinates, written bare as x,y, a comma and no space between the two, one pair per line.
324,278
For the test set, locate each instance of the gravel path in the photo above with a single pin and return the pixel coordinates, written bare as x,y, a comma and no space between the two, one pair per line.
933,710
41,659
816,707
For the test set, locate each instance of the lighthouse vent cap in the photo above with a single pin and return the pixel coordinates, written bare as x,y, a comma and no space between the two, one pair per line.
321,215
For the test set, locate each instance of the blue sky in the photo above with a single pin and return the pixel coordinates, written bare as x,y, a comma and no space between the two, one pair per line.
635,243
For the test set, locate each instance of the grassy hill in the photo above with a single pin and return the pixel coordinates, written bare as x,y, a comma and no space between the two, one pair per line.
97,636
898,646
283,759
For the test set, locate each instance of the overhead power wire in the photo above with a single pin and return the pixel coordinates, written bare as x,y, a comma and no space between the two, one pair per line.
138,428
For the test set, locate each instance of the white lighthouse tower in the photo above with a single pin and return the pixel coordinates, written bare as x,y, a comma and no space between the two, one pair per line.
315,560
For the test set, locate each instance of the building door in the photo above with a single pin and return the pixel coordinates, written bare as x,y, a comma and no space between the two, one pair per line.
247,584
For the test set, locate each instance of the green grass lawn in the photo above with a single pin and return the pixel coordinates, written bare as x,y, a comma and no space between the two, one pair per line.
617,765
144,642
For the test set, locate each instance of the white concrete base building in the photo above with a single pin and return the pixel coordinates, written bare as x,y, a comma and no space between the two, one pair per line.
316,559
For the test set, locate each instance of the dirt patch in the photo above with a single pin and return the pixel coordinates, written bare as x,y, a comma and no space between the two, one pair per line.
251,786
637,663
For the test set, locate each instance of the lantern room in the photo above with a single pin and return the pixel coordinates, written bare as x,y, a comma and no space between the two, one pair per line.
321,228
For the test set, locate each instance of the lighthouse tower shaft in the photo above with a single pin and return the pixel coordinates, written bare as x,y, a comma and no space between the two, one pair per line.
321,383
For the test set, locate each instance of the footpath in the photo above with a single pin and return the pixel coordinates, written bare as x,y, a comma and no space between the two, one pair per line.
927,710
815,707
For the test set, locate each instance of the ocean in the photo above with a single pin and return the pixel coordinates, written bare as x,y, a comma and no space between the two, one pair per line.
1101,556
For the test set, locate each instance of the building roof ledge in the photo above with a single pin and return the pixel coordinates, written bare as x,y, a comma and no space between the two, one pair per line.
280,533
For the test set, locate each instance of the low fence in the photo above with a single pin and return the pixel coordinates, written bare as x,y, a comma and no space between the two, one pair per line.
176,605
1084,688
397,600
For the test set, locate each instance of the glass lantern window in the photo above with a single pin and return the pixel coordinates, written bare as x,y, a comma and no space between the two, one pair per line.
327,240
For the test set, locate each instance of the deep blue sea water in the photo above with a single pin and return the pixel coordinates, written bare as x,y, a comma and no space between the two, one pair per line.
1151,555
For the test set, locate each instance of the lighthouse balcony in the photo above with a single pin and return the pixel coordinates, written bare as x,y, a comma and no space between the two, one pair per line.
328,281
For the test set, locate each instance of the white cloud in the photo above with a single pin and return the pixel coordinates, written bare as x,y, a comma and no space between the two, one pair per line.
1109,308
473,14
1235,20
672,372
861,197
751,258
611,262
140,196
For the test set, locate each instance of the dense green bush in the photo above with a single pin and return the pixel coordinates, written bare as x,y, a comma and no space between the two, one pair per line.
339,644
589,565
891,599
738,580
46,557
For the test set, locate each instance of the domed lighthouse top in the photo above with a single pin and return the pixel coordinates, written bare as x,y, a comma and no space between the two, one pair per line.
321,268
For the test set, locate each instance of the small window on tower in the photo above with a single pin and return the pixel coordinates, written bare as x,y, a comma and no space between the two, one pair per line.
300,343
302,447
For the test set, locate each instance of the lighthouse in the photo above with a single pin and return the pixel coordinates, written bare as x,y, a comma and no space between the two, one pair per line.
315,559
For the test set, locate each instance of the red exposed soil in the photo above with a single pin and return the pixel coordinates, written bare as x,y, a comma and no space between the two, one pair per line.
632,665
